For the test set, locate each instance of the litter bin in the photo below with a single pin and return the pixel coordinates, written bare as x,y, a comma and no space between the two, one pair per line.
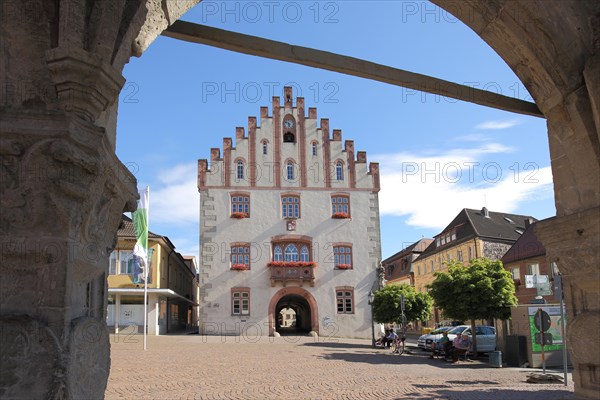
495,359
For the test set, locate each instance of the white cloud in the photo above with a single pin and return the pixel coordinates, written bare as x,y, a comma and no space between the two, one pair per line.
177,200
498,124
178,174
432,189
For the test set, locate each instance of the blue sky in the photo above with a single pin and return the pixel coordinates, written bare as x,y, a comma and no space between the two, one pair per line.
437,155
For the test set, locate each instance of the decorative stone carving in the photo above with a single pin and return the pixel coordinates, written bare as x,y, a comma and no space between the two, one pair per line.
26,341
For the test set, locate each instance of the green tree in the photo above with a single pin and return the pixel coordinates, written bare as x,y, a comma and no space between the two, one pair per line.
481,290
386,304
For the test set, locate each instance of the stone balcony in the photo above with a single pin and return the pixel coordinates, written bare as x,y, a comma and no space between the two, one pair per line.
293,271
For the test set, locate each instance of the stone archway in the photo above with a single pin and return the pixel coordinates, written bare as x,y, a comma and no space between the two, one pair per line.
63,189
299,296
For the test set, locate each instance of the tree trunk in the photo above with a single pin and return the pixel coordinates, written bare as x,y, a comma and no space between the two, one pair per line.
474,337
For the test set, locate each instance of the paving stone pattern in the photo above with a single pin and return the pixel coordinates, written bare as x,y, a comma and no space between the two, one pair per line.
200,367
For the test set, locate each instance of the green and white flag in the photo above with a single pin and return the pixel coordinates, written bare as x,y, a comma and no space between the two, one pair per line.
140,250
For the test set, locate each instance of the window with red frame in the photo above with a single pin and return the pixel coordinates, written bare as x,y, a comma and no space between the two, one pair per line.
290,206
240,256
345,301
340,206
342,257
240,204
240,301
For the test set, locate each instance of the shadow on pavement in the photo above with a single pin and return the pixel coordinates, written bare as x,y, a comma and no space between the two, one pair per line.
405,359
501,394
338,345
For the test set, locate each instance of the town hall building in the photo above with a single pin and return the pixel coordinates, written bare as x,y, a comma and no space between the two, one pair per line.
289,229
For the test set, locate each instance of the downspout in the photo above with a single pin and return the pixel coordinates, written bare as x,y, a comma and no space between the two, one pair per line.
475,242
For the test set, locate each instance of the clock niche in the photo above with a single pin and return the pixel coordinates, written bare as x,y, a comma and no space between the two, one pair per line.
289,129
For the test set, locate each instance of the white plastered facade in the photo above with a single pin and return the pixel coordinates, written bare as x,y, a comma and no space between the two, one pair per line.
266,225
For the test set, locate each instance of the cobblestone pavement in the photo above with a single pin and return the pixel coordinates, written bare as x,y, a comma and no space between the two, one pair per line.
197,367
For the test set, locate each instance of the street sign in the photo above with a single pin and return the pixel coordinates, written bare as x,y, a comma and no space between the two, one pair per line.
544,289
547,339
529,281
542,320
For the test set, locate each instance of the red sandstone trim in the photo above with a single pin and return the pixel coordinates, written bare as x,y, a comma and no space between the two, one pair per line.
240,134
291,238
301,141
202,168
215,154
326,154
277,142
252,150
300,189
349,148
337,135
227,160
314,308
374,172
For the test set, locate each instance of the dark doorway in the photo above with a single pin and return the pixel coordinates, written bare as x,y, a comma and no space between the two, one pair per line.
292,315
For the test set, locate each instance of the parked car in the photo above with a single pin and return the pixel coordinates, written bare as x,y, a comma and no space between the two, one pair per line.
425,341
486,336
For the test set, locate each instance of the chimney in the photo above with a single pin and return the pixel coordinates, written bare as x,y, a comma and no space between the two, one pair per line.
528,222
485,212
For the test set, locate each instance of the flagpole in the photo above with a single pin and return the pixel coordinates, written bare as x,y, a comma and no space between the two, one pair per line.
146,276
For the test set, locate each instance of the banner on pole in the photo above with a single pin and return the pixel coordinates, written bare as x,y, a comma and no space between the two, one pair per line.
140,250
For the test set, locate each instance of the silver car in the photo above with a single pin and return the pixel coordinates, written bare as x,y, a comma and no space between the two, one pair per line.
425,341
486,336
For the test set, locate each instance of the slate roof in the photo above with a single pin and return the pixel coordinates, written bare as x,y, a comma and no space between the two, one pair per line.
527,246
495,227
416,247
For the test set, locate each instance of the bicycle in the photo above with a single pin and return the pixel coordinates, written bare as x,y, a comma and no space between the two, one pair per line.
398,345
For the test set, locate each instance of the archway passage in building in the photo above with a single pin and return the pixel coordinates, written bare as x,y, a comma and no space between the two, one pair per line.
296,303
293,315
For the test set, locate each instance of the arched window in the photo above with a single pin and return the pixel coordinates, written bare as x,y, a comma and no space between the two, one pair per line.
277,254
240,169
339,171
291,253
290,170
314,149
265,148
304,255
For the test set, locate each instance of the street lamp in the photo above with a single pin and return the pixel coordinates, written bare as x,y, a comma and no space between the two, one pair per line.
371,300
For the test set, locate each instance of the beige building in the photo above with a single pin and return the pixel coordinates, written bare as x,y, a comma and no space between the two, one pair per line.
472,234
399,267
289,218
172,294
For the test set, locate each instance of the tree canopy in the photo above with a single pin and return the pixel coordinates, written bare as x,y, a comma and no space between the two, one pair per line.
386,304
481,290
